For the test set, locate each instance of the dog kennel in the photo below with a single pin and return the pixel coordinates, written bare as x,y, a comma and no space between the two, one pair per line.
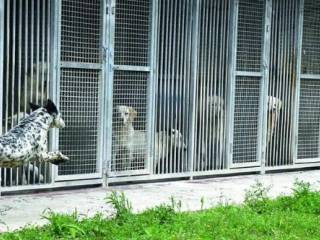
205,87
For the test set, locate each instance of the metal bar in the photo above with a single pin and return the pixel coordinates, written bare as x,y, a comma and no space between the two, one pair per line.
151,85
233,29
308,76
110,73
2,47
54,84
265,82
177,87
185,175
19,74
169,98
47,166
176,154
277,75
299,76
80,65
291,78
194,74
106,119
132,68
161,85
211,80
2,30
201,89
173,97
184,78
155,78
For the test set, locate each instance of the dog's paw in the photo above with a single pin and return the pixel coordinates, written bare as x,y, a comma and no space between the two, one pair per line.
60,159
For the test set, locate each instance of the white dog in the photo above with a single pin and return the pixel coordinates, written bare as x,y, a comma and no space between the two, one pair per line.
166,142
214,107
274,108
124,138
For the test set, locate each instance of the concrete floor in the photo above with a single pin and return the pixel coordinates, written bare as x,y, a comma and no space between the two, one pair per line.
22,210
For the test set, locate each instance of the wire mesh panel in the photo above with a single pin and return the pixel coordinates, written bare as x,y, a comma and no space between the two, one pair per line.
212,83
311,37
246,119
129,149
282,78
247,99
309,120
309,107
250,35
80,87
173,86
27,26
81,30
79,106
132,19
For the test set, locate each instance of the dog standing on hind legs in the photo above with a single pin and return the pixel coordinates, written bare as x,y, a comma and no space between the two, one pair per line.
28,140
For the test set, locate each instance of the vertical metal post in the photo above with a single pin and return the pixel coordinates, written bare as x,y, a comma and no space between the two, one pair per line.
152,83
194,77
103,102
1,67
109,85
264,85
298,79
233,29
1,59
53,84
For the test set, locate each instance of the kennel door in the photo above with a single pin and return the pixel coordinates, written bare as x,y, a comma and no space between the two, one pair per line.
79,88
247,84
131,78
308,144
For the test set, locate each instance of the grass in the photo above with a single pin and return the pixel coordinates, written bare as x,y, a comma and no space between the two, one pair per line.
286,217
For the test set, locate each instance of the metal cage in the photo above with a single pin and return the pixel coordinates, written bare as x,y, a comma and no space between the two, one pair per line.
163,89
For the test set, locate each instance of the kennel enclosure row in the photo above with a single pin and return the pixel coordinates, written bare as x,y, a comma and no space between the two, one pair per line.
209,87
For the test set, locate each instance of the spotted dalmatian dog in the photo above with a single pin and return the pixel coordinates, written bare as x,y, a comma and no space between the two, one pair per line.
28,140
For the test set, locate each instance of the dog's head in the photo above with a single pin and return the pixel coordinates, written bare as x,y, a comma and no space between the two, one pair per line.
50,107
274,104
126,114
177,139
216,103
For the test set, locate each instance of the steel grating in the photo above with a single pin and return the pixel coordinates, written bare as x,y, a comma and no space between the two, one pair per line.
132,30
246,119
250,35
27,26
129,90
173,84
309,120
212,82
81,31
80,109
311,38
282,82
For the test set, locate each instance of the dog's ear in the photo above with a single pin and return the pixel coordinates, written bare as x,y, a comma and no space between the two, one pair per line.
51,107
34,106
133,113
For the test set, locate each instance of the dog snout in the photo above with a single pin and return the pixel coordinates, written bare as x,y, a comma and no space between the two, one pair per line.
60,123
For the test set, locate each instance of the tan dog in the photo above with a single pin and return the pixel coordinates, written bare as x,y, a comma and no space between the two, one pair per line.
124,134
